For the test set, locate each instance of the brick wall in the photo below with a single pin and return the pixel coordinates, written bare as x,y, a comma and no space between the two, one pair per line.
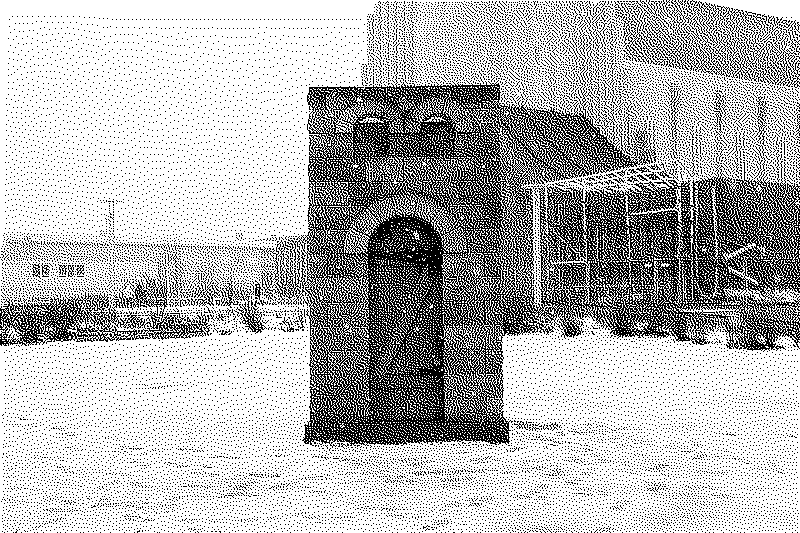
458,191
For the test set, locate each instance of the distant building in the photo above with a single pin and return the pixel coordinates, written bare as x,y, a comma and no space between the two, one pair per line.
43,268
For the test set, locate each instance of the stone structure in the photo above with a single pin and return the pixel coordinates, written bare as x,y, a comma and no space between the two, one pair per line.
404,274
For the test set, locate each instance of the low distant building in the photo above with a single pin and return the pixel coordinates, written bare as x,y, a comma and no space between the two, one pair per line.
36,269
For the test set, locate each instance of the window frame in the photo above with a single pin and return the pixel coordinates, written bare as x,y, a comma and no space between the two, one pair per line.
371,144
437,135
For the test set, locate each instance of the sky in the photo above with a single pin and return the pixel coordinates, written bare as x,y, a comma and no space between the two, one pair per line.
195,128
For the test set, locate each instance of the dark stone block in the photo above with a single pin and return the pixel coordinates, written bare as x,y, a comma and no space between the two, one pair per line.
328,193
336,146
333,218
377,169
461,268
334,342
323,242
493,312
466,312
363,193
473,351
321,169
321,121
334,265
484,240
327,290
476,95
400,186
491,265
404,146
400,432
474,216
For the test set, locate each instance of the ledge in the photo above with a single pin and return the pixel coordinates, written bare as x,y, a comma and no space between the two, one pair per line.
399,432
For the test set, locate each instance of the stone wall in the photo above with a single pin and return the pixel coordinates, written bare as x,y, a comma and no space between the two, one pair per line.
457,192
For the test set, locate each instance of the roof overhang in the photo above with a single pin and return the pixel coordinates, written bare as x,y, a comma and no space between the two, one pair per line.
647,177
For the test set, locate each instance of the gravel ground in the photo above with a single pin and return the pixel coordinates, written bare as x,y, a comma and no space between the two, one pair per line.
203,435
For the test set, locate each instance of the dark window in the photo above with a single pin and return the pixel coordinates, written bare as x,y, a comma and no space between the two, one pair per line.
71,270
79,270
37,270
438,136
371,137
643,147
63,270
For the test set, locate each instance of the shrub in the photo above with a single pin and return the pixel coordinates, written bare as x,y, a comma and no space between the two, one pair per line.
251,317
172,323
660,319
25,322
752,329
571,324
698,328
134,321
200,324
680,327
101,319
63,315
621,317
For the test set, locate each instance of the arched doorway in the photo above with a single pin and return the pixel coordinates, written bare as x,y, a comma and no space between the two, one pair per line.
405,321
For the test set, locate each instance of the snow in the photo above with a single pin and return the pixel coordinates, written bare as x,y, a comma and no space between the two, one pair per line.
649,381
204,434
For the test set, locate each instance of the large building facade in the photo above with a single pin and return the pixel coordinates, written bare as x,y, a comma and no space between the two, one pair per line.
712,93
730,79
179,274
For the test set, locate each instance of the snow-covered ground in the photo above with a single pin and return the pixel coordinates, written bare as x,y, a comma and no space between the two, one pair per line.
204,434
650,381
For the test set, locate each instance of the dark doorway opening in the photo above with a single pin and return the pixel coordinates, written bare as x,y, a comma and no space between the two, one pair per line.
406,332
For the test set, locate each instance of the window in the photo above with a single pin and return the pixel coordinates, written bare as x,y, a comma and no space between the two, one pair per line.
45,270
371,137
438,136
643,146
70,271
37,270
741,156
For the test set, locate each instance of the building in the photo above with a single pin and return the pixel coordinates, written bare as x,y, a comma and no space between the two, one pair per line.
38,268
406,189
685,91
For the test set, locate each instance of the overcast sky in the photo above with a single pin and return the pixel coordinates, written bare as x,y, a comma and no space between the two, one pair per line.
198,131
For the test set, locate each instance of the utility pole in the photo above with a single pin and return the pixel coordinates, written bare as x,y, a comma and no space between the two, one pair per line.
112,249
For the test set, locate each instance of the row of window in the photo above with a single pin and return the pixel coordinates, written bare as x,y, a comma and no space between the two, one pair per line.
64,271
